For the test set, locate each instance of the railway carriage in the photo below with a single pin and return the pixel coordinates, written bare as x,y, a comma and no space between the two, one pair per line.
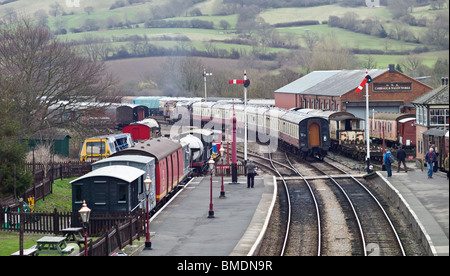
100,147
108,189
129,113
201,113
144,163
221,114
305,134
291,128
344,127
143,130
271,120
399,128
151,102
168,156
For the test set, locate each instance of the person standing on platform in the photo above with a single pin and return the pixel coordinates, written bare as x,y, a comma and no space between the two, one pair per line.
430,158
388,160
251,172
401,157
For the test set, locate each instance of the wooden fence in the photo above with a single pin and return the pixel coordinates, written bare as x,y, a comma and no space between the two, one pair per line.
115,230
52,223
116,238
44,177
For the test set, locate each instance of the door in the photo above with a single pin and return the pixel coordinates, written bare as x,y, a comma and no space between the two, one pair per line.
140,114
313,135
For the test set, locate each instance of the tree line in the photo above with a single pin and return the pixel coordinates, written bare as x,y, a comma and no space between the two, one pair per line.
43,84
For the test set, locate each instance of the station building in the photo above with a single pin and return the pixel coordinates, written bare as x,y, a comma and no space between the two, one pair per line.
432,124
389,91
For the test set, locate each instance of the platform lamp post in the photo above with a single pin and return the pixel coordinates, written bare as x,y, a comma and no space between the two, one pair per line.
211,209
84,215
147,186
222,190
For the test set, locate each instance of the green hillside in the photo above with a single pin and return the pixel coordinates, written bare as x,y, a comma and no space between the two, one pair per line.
284,33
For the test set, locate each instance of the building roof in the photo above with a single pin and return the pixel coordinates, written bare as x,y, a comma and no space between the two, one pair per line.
436,96
302,84
391,116
125,173
158,148
329,83
437,131
125,158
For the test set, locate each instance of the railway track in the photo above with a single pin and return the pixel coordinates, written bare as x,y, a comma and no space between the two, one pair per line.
331,215
370,231
301,227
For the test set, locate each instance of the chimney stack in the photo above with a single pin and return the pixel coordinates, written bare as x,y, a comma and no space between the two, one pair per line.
391,68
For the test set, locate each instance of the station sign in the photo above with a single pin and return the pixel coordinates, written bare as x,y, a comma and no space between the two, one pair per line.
392,87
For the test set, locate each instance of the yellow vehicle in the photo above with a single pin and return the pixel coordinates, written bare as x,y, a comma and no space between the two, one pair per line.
100,147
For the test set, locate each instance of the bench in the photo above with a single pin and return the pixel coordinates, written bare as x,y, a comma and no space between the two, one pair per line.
67,250
80,242
26,252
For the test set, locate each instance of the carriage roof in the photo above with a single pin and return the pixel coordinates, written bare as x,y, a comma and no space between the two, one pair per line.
159,148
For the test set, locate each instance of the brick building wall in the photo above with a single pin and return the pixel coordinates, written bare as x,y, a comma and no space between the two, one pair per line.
389,78
393,89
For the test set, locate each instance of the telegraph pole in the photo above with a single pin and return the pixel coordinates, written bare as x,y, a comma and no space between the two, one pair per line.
366,82
367,121
245,117
204,79
246,83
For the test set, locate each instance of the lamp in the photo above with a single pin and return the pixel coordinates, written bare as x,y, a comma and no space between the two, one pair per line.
211,209
84,215
147,186
211,164
222,190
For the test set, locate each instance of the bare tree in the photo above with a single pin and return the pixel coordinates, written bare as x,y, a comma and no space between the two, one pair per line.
95,48
330,55
46,79
55,9
311,39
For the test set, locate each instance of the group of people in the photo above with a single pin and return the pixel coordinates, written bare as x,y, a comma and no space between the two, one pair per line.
430,159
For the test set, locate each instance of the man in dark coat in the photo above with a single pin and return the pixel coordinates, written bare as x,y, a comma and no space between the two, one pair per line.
401,157
430,158
251,172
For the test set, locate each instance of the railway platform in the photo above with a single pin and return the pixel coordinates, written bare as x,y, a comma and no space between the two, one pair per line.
183,228
426,204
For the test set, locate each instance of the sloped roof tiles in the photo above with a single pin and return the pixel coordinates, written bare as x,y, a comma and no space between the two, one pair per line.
329,83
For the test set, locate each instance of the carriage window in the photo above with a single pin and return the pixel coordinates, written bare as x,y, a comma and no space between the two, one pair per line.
95,147
78,192
122,193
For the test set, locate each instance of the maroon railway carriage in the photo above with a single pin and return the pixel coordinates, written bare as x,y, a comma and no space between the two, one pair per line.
399,129
169,160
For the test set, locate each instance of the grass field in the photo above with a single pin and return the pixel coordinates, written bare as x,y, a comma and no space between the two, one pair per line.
75,18
61,199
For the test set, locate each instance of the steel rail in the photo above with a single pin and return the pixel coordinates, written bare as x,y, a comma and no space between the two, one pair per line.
319,229
379,205
288,226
